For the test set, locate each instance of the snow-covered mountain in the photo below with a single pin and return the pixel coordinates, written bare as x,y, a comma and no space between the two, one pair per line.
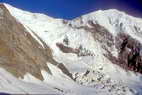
95,54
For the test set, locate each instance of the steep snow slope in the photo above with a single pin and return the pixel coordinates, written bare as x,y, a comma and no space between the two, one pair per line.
87,46
12,85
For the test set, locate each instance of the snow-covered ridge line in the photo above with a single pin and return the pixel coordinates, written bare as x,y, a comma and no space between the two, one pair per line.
107,12
17,11
110,19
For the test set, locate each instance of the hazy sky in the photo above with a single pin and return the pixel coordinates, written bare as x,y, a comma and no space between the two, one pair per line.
69,9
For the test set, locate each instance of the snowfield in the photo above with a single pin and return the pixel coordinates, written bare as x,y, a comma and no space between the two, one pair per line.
94,74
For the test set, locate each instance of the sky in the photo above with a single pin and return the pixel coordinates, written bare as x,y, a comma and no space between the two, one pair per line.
70,9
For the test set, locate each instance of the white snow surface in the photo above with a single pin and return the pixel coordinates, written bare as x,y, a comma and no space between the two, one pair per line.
12,85
104,78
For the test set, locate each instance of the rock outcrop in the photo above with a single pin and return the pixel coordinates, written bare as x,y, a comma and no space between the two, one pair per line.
20,53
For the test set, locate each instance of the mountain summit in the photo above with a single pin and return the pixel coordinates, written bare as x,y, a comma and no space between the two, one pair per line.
96,54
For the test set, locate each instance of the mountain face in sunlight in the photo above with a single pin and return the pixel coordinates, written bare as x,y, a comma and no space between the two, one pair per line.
98,53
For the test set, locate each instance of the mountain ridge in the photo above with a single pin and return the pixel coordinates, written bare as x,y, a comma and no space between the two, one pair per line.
80,56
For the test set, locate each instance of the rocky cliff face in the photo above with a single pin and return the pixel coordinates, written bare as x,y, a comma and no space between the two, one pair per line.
20,53
129,53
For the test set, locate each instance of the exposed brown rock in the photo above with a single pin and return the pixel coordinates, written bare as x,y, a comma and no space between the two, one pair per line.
129,55
77,51
67,49
130,50
20,53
